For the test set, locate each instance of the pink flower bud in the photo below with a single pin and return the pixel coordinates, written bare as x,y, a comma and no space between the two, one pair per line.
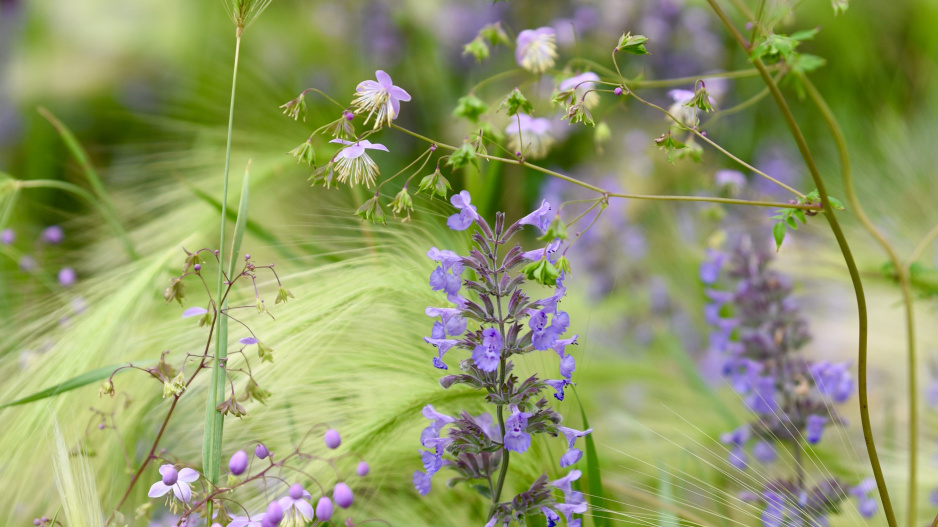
363,469
324,509
170,477
332,438
261,451
238,463
296,491
342,495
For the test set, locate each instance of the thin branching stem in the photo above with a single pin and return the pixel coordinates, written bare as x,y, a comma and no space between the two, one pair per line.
802,143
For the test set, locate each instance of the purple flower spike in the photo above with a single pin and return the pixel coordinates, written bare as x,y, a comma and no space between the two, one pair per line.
540,218
467,212
238,463
7,236
261,451
332,438
324,509
54,235
67,276
362,469
342,495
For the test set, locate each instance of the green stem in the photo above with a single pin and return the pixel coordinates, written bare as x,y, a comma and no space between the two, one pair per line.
922,245
844,248
704,199
214,420
902,275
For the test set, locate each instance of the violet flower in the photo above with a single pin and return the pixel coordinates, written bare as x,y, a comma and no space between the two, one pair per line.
536,49
177,481
382,97
353,164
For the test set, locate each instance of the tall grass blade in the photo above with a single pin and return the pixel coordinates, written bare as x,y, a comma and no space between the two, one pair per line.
78,152
75,382
76,483
240,223
593,475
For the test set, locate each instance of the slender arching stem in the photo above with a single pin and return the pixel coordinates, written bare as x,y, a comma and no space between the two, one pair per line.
845,250
902,276
922,245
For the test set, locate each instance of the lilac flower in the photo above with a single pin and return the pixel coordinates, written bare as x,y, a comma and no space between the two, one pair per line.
324,509
536,49
764,452
342,495
549,251
382,97
736,439
248,341
516,439
833,380
273,516
733,180
432,461
814,427
194,312
488,354
573,454
261,451
353,164
552,517
67,276
687,115
53,234
7,236
438,422
540,218
467,212
582,86
296,506
440,280
448,259
866,504
332,438
531,135
558,387
178,482
710,267
565,484
256,520
762,398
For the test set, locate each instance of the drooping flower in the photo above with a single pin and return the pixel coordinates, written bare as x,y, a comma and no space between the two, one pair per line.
273,516
558,386
467,212
53,234
296,505
687,115
382,97
324,509
536,49
256,520
332,438
582,87
177,481
261,451
438,422
67,276
530,135
238,463
353,164
488,354
573,454
422,482
516,439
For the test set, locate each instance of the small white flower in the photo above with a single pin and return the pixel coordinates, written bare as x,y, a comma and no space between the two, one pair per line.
536,49
178,482
353,163
583,84
529,134
382,97
686,114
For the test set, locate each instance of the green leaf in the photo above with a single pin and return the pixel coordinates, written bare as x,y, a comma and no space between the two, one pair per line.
240,222
593,473
800,214
516,102
463,157
791,222
778,232
84,379
470,107
835,203
634,44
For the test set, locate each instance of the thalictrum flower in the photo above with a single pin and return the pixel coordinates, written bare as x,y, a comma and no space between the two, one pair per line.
7,236
178,482
273,516
582,87
382,97
53,234
467,212
238,463
516,439
324,509
353,163
257,520
362,469
687,115
295,505
530,135
487,355
536,49
261,451
67,276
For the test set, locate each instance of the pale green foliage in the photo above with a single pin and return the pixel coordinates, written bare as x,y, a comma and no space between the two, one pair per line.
75,481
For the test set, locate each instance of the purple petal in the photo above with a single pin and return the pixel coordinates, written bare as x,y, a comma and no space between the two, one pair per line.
194,312
188,475
384,79
368,85
304,508
247,341
373,146
342,141
182,492
398,93
158,489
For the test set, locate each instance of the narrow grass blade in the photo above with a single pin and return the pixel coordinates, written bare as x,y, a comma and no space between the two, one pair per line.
84,379
666,515
593,475
240,223
78,152
255,229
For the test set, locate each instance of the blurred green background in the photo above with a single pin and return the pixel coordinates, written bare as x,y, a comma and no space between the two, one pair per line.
144,86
